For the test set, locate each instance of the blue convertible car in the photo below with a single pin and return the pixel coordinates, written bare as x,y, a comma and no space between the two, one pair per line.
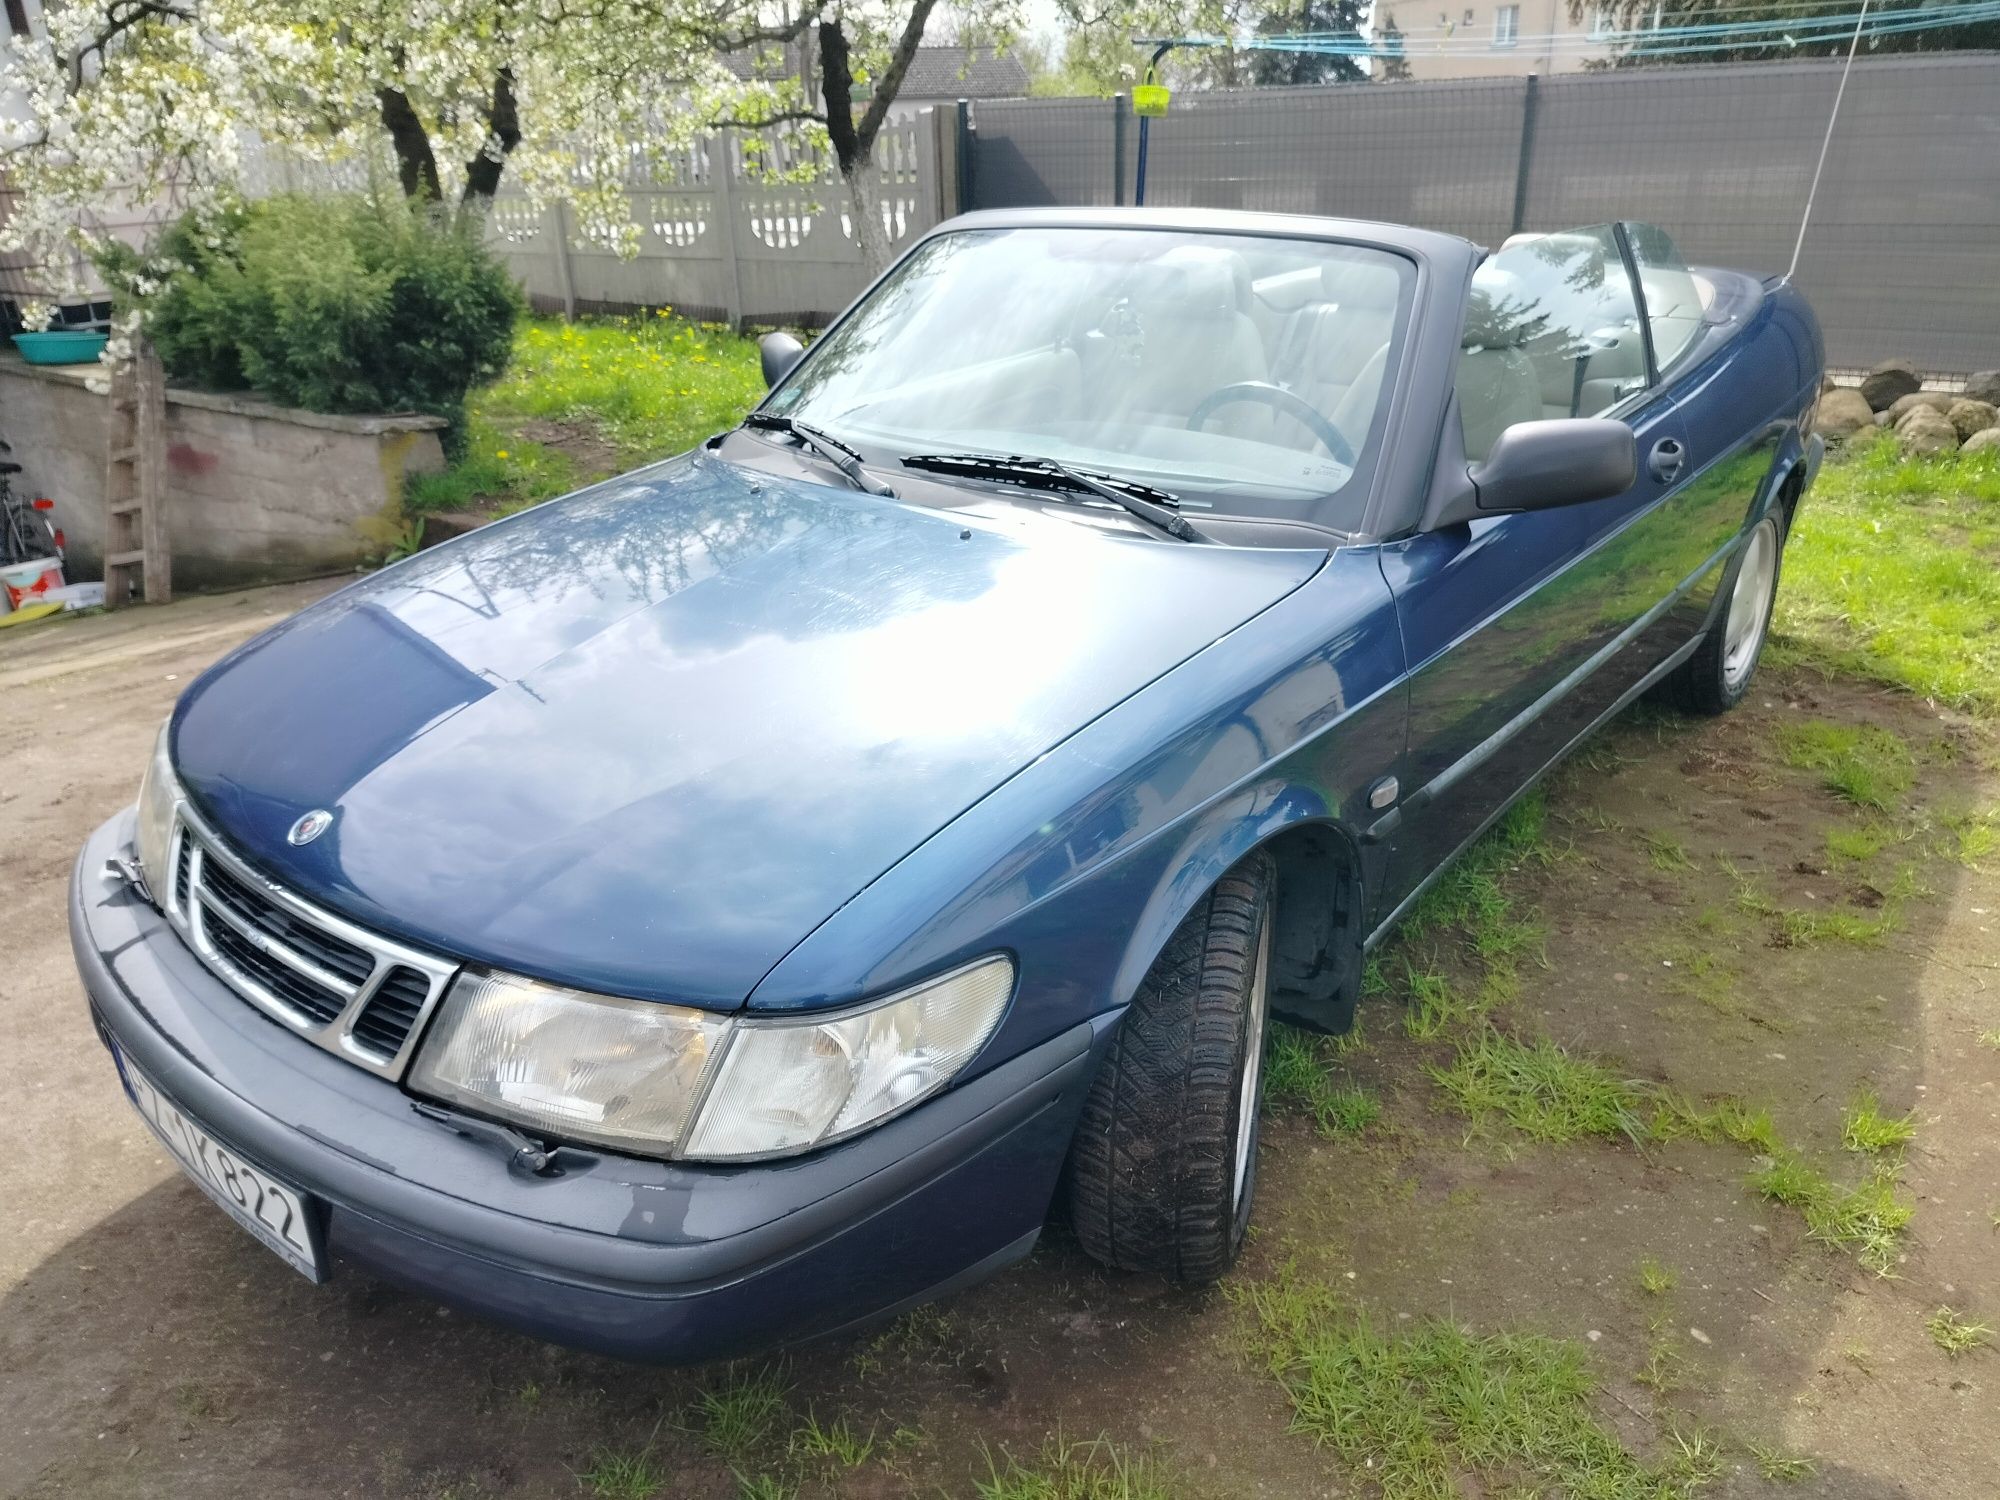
744,898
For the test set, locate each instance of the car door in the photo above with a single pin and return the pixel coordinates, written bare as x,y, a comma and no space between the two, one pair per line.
1734,404
1521,630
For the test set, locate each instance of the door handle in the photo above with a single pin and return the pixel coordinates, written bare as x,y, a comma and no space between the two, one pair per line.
1664,464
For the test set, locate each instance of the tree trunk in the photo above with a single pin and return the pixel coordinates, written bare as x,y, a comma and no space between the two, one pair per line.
503,134
837,88
416,166
854,140
864,198
850,153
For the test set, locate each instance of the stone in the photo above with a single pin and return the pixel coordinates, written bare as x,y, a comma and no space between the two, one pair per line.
1841,412
1970,416
1882,419
1983,442
446,525
1888,380
1938,400
1926,433
1985,386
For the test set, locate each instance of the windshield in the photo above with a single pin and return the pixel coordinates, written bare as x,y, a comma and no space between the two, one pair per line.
1222,368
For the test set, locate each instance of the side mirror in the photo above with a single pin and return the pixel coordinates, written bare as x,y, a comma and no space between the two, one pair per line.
1542,465
779,352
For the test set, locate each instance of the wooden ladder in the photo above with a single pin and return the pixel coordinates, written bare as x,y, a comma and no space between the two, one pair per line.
136,561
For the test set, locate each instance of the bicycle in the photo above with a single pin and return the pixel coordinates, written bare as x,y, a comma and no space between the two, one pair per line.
27,527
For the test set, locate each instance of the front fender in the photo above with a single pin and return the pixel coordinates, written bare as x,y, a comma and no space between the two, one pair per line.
1084,863
1321,891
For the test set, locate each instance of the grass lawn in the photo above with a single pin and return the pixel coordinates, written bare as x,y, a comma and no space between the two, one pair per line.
1894,574
585,400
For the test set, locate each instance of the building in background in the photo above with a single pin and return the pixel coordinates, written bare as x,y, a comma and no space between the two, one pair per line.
1451,39
943,75
938,75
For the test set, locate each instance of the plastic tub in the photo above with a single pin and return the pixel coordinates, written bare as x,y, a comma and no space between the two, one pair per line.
61,346
29,582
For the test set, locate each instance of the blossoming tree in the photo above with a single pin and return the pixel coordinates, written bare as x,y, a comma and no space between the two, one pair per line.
166,101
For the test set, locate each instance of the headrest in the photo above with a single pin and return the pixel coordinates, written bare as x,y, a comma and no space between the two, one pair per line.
1196,282
1496,389
1356,285
1341,338
1498,312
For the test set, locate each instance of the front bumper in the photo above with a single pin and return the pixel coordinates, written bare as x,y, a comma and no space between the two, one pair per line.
637,1259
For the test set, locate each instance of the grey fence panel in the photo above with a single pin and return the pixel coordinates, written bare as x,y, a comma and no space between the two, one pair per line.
1903,254
1033,153
1902,259
1440,158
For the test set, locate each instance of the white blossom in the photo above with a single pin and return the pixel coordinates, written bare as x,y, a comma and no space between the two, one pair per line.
194,107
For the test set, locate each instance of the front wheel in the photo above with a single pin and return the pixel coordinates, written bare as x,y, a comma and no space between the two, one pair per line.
1164,1164
1716,677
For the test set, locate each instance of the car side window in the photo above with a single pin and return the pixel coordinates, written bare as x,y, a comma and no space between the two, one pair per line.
1675,297
1551,330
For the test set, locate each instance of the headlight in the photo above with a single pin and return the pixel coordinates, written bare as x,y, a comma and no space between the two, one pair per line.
661,1080
621,1073
159,794
791,1085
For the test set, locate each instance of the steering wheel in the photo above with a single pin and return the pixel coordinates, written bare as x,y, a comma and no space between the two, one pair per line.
1279,399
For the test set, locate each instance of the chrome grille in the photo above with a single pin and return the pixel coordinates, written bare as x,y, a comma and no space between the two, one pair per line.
359,995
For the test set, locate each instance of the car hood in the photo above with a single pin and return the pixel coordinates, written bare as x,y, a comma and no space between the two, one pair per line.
643,740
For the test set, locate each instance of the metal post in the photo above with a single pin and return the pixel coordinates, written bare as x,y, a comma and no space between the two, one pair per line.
937,163
565,272
1120,107
1139,179
722,204
1530,96
964,156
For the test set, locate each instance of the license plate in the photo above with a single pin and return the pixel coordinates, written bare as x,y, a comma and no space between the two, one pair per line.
276,1213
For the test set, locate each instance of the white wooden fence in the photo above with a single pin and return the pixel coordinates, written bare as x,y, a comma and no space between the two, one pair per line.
718,238
720,241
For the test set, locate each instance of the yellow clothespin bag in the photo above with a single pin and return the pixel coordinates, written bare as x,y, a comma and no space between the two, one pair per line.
1150,97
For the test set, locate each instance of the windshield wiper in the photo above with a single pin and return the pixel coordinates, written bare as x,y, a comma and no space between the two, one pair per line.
1153,506
827,446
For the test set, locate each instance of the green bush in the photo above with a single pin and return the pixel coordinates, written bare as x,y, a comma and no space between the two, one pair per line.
340,304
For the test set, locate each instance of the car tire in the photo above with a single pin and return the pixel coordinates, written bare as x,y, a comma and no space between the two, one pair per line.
1715,678
1164,1164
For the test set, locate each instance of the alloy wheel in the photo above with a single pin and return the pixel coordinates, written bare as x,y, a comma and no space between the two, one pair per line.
1253,1063
1750,604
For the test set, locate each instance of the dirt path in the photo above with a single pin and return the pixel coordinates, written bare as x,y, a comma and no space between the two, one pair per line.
1681,919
